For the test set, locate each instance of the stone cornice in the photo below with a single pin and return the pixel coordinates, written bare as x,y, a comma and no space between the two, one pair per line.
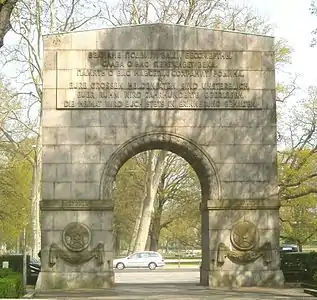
76,204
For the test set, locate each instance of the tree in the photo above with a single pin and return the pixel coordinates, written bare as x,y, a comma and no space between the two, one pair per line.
298,136
128,195
155,163
177,201
177,198
15,195
6,8
30,21
297,170
299,220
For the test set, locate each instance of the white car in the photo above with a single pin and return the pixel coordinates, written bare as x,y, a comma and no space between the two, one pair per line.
144,259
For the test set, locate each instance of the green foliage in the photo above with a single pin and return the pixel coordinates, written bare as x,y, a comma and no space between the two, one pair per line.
128,196
176,215
11,284
283,52
179,198
297,171
298,213
15,202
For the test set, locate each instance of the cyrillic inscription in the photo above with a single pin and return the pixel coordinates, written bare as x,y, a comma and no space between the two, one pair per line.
158,80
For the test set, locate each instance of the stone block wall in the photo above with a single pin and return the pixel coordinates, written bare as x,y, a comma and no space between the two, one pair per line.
80,141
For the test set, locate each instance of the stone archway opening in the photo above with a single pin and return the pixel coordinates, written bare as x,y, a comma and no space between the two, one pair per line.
185,148
192,154
157,199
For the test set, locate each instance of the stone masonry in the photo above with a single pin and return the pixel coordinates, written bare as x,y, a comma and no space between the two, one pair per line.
206,95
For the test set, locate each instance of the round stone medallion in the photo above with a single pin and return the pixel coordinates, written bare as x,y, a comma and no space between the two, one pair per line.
244,236
76,236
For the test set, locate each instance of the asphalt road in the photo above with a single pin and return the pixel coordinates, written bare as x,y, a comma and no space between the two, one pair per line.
158,276
164,270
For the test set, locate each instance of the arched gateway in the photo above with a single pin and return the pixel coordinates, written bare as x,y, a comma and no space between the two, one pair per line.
208,96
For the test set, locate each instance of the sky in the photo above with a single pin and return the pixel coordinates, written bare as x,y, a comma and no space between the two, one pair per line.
293,22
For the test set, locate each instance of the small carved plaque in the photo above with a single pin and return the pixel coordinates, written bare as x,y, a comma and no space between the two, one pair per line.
244,236
76,237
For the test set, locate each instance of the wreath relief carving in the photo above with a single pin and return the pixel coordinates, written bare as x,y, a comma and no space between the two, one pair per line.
76,237
244,238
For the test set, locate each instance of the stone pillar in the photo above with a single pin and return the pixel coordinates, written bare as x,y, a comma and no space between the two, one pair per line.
76,245
244,240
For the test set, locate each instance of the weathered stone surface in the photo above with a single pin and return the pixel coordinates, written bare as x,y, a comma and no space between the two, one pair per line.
272,278
48,98
86,154
100,220
70,136
227,172
86,118
74,280
55,118
59,220
49,136
62,190
47,190
206,95
260,43
249,135
49,172
85,190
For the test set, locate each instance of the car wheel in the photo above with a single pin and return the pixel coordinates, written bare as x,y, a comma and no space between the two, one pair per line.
120,266
152,266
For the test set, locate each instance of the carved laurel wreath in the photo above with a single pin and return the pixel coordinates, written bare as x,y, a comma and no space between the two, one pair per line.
244,257
76,237
244,238
76,257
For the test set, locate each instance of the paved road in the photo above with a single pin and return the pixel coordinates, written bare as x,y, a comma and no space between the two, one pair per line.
172,284
159,276
165,269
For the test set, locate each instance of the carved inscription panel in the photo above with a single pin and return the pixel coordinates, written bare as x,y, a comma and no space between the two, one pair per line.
129,79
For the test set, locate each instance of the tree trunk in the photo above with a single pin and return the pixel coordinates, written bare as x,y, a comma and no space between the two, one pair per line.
300,246
6,8
116,245
145,223
148,243
136,227
156,164
36,195
17,248
156,222
156,229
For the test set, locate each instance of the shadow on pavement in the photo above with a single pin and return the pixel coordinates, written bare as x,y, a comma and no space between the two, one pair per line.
175,291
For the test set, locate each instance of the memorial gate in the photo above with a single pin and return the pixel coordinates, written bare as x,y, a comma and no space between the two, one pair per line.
206,95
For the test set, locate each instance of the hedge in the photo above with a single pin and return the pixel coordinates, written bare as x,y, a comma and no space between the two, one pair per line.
299,266
11,284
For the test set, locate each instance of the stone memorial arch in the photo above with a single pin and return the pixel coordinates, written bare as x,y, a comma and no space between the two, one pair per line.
206,95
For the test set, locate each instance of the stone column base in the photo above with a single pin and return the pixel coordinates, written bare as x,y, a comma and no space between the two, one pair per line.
75,280
270,278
